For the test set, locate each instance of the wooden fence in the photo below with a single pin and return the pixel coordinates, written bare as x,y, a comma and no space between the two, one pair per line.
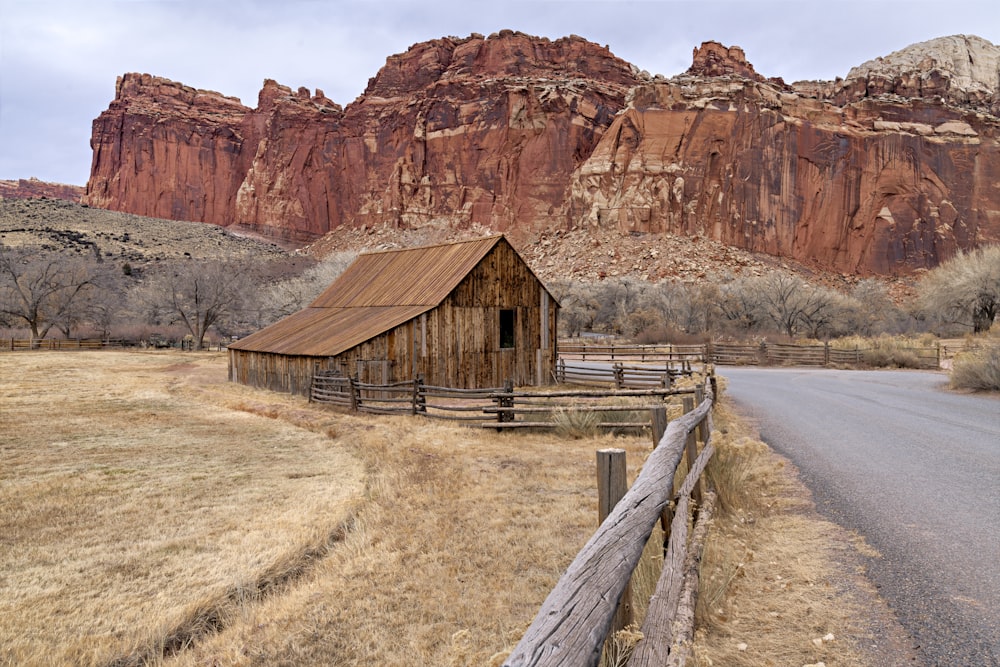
620,375
641,353
499,407
741,354
20,344
579,613
14,344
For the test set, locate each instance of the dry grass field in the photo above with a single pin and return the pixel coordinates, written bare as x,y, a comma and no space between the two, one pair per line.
152,513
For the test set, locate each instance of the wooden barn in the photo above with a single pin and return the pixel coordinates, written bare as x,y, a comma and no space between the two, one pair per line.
469,314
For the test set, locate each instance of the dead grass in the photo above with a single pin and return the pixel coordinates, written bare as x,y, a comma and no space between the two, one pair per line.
157,505
129,508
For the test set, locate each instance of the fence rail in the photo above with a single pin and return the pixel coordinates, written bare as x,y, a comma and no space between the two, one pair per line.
641,353
579,613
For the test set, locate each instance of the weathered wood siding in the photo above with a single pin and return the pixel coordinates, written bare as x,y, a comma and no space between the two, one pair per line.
456,344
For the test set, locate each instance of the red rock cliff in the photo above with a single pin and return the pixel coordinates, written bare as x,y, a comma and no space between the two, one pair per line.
454,131
881,184
887,172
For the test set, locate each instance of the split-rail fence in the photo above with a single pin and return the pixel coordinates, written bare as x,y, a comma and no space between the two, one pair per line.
586,604
620,399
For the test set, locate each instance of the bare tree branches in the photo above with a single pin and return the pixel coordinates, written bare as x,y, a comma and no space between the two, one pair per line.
42,290
965,290
196,293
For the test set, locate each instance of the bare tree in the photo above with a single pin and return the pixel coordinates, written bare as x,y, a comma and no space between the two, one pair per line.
196,293
42,290
741,303
291,295
965,289
578,305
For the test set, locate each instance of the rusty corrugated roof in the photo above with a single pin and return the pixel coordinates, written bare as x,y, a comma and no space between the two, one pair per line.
415,276
377,292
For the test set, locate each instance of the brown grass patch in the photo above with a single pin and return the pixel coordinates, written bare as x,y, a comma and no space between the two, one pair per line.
129,507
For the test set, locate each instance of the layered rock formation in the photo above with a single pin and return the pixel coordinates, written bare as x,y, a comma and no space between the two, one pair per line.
887,171
454,131
32,188
881,185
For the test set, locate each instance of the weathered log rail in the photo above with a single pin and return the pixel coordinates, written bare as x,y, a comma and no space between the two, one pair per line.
578,614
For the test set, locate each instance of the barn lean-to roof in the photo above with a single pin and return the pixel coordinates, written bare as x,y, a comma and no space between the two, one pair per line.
378,292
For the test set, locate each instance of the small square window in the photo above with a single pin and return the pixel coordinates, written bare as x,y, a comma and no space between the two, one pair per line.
507,321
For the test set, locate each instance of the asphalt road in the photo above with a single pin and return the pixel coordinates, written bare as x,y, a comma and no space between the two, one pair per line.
913,468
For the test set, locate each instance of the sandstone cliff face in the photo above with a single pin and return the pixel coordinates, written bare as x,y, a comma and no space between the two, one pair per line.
880,185
165,150
888,171
452,132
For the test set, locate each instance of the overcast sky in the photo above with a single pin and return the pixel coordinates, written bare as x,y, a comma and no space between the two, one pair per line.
59,58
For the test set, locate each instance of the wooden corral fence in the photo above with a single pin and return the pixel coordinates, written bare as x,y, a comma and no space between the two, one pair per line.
620,408
20,344
499,407
739,354
580,612
620,375
634,353
14,344
820,354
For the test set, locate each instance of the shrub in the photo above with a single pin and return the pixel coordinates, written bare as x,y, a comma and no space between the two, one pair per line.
978,368
886,352
576,424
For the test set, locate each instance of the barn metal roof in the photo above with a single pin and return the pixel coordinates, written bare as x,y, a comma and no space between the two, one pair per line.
415,276
379,291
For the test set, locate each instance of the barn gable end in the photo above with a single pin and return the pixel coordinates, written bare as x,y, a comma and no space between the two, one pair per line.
469,314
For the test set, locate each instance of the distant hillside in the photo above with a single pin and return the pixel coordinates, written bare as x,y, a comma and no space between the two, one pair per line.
63,226
32,188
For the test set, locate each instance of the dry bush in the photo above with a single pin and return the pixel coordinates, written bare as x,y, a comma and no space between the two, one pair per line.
576,424
891,352
978,368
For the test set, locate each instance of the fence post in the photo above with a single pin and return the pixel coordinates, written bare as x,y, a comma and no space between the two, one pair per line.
421,395
561,371
619,375
702,430
826,353
658,420
352,385
692,447
612,483
506,400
